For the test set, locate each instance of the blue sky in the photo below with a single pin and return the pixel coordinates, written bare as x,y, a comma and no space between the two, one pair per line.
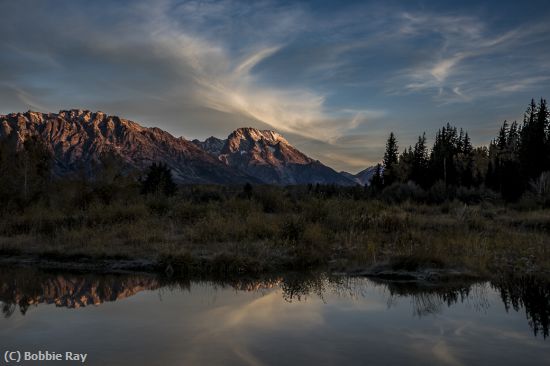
334,77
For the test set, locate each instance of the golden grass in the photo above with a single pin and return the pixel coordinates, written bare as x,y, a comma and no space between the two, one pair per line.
277,231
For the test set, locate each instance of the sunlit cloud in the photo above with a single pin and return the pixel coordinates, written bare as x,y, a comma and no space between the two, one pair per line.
225,82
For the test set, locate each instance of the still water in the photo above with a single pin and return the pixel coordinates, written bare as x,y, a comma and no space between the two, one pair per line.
283,320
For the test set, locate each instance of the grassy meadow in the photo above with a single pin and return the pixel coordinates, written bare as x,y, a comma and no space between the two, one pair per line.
214,229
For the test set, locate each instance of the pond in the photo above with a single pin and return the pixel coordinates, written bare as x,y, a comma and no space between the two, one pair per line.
280,320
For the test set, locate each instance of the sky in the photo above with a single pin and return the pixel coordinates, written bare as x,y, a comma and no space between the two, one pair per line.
334,77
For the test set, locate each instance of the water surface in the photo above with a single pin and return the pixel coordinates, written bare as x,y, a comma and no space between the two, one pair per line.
283,320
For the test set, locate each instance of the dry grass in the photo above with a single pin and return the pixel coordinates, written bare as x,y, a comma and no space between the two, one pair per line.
275,231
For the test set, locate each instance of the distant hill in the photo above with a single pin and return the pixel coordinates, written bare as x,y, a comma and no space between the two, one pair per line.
363,177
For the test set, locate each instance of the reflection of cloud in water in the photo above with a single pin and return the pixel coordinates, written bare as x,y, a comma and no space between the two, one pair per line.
443,353
434,347
296,319
268,311
235,325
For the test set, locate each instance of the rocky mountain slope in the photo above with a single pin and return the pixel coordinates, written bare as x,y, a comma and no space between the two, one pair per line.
211,145
78,138
269,157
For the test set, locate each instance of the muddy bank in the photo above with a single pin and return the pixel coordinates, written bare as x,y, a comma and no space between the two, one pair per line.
208,266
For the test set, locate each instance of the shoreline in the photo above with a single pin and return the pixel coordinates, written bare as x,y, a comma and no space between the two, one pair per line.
386,270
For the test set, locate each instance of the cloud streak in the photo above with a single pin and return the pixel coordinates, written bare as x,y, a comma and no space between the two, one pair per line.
470,60
319,73
227,83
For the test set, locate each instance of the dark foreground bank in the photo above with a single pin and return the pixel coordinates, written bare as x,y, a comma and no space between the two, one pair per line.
221,230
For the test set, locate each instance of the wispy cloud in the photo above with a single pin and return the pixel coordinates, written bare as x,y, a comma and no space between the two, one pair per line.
225,80
469,59
317,73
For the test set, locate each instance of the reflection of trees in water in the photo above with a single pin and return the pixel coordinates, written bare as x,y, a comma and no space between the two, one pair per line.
531,294
527,293
23,288
428,299
298,287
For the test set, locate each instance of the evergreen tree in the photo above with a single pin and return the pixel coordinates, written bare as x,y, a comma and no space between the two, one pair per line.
544,125
466,161
158,180
502,138
403,169
504,175
443,155
376,182
533,141
391,159
420,163
513,138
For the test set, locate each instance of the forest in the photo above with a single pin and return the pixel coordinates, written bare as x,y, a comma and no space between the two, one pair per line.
516,162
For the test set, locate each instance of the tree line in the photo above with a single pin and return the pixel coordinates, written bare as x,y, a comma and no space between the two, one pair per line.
515,161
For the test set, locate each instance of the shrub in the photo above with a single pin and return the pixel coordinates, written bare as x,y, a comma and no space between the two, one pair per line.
540,189
293,228
438,193
158,180
401,192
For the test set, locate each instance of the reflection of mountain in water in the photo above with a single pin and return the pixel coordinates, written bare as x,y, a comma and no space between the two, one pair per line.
26,287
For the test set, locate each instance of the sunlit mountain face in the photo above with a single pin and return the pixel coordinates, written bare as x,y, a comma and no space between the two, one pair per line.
333,77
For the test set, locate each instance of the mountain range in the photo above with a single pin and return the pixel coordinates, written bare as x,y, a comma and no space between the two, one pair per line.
78,139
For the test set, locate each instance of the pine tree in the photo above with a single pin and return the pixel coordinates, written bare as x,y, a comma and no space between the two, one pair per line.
420,162
532,143
376,182
390,161
443,155
403,169
506,176
502,136
466,161
544,125
158,180
513,138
